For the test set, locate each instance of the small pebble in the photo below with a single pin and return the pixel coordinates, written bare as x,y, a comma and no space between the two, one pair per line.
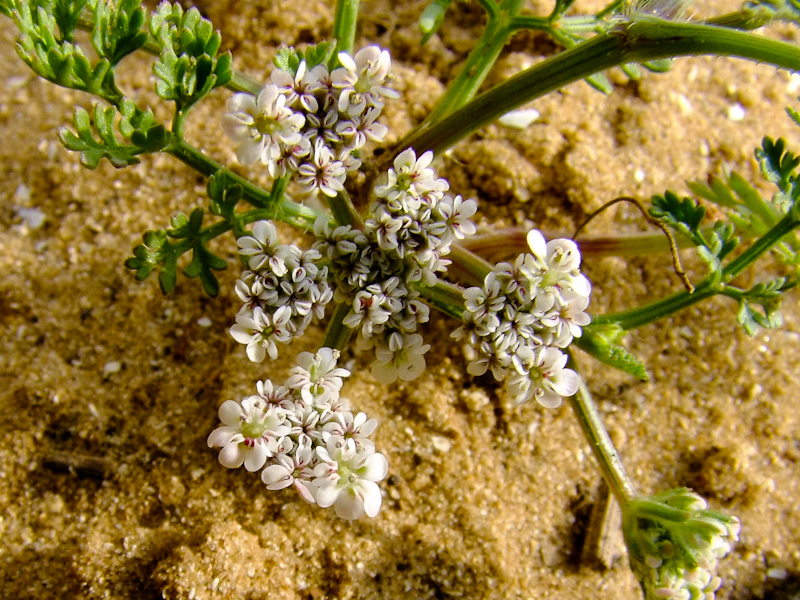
442,444
736,112
111,367
519,119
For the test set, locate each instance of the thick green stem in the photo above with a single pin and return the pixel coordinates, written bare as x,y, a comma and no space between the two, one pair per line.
638,41
344,213
344,25
602,447
479,62
338,334
468,266
787,224
447,297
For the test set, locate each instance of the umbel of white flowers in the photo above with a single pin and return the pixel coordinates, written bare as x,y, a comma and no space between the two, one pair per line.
407,235
517,323
303,435
314,123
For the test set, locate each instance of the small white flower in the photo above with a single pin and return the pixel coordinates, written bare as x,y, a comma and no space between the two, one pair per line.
260,247
261,125
399,357
566,323
317,377
274,395
300,88
261,331
456,212
553,268
409,177
292,470
324,174
541,373
344,426
249,434
347,477
361,80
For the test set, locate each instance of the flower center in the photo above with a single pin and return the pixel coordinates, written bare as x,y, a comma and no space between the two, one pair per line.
403,181
549,278
253,430
265,125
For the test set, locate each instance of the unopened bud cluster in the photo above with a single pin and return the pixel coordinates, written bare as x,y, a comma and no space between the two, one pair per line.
303,435
675,543
517,323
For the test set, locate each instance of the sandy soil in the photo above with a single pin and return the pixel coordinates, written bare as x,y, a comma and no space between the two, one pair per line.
107,487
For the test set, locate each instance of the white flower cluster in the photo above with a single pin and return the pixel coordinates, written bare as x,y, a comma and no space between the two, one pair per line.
305,436
313,122
681,564
283,290
523,315
408,232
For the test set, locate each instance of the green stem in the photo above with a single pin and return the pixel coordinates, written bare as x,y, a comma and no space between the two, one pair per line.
715,283
338,334
468,266
344,213
479,62
344,25
638,41
445,296
602,447
285,210
786,225
644,315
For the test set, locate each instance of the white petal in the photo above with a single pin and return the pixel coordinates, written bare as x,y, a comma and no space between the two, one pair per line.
264,232
241,334
231,456
250,151
537,244
565,382
221,437
256,352
230,413
372,498
276,477
244,103
235,129
304,491
327,492
256,457
375,468
349,505
549,399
